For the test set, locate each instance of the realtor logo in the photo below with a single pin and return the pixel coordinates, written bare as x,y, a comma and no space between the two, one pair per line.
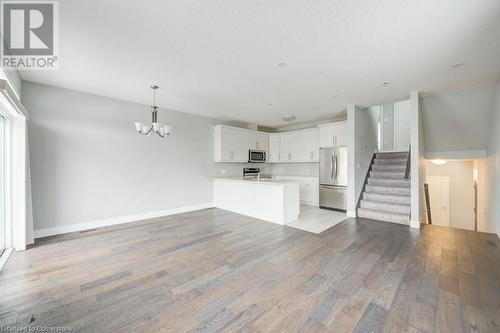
30,30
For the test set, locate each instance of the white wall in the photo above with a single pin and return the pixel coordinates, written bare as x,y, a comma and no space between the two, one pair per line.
88,163
455,122
364,146
387,127
461,191
417,166
493,166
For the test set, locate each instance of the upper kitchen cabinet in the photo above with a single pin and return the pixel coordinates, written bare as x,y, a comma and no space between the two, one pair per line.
299,146
285,147
230,144
333,134
310,145
273,155
262,141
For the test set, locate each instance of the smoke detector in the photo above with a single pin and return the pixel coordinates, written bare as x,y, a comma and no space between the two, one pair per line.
288,118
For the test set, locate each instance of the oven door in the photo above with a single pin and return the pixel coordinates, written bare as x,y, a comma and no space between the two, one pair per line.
256,156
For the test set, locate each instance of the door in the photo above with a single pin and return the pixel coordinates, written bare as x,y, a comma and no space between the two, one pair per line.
439,200
274,148
310,145
285,147
402,125
263,141
332,197
326,166
340,157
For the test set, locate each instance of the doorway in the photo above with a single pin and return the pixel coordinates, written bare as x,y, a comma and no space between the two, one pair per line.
393,126
456,193
439,200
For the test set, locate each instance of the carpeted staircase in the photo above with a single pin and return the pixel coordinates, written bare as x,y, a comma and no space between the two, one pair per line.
387,194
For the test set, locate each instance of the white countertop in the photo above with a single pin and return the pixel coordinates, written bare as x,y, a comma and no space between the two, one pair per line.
254,180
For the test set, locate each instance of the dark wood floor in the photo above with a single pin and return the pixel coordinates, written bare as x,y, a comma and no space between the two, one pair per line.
213,270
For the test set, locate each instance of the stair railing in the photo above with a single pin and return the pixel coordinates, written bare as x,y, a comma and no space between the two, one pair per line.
358,205
408,163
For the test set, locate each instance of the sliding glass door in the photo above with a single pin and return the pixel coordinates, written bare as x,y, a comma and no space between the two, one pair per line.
2,184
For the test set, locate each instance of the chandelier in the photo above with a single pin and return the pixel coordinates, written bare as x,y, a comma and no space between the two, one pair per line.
155,127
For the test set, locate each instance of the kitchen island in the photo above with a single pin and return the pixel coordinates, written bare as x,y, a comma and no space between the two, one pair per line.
276,201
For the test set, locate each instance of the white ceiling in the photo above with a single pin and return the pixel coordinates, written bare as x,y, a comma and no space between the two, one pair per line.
219,58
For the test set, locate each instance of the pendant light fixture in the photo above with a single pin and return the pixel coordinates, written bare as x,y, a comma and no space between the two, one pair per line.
155,127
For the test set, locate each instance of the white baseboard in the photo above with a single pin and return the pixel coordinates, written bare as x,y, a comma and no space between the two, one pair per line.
351,213
415,224
117,220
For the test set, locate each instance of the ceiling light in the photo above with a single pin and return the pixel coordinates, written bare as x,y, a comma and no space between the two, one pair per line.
269,104
288,118
458,64
335,96
386,84
156,127
439,162
282,64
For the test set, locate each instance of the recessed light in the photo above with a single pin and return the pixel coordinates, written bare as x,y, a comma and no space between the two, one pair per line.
386,84
237,113
288,118
282,64
335,96
458,64
269,104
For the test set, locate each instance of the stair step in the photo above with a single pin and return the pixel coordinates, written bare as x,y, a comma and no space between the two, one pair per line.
393,199
388,182
387,190
383,216
389,168
390,161
392,155
387,175
385,207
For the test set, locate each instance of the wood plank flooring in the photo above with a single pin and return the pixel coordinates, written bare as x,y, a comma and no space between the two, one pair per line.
215,271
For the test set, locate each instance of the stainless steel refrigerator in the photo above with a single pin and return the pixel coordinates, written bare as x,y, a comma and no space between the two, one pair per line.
333,178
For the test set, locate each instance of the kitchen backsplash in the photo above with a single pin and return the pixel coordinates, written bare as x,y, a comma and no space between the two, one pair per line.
292,169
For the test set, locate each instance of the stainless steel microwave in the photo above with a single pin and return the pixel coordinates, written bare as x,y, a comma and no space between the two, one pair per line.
256,156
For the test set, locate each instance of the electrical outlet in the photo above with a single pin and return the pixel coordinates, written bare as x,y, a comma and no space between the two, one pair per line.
139,201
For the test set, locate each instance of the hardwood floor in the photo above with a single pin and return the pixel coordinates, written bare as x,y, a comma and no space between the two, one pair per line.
213,270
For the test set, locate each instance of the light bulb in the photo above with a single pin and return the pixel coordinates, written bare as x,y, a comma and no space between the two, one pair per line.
156,127
167,129
138,126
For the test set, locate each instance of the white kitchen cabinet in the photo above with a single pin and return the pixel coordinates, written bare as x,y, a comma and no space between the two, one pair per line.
308,188
262,141
310,145
285,147
252,140
230,144
333,134
274,148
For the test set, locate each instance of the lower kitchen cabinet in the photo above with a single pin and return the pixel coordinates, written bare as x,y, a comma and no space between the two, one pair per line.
309,188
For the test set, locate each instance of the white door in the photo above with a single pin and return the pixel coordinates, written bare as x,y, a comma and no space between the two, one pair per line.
310,145
439,200
402,125
285,147
262,141
274,148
